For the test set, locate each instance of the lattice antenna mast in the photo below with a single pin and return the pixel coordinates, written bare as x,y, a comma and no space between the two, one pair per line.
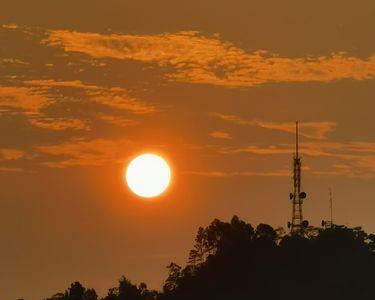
329,224
298,225
331,204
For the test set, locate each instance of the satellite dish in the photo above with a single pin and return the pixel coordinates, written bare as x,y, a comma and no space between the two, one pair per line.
303,195
305,224
289,224
291,196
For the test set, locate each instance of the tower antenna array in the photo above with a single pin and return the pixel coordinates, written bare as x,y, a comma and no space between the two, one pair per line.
331,204
298,225
329,224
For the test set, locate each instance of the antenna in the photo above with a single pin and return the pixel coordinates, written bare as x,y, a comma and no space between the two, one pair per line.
297,140
329,224
298,225
331,203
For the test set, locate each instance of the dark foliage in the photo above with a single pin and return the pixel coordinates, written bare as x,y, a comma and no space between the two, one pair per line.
76,292
235,261
128,291
125,291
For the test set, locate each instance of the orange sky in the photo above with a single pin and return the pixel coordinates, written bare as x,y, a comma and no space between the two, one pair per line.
215,87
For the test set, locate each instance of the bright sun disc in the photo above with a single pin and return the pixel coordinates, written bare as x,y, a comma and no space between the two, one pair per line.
148,175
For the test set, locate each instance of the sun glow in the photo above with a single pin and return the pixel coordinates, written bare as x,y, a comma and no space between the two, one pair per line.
148,175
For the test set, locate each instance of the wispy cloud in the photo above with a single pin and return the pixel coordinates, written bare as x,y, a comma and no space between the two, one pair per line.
118,120
22,99
11,154
320,148
80,104
114,97
351,159
33,99
12,61
28,30
11,170
219,134
58,124
32,103
11,26
210,60
224,174
96,152
48,83
315,130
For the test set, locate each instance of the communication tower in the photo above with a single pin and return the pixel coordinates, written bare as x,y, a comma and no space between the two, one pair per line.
298,225
329,224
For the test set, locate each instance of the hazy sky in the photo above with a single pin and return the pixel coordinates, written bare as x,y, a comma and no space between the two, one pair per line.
214,86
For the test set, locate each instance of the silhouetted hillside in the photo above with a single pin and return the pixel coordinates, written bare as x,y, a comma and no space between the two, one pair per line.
236,261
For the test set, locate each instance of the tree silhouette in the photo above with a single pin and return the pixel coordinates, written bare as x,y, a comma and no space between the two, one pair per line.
232,260
128,291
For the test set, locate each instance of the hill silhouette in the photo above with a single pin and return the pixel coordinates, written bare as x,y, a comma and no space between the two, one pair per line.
233,260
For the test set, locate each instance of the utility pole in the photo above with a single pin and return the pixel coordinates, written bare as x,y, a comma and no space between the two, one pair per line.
298,225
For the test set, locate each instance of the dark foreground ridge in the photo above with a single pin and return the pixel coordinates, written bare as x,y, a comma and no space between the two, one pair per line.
234,261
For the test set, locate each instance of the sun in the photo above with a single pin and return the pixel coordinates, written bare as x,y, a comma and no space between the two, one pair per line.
148,175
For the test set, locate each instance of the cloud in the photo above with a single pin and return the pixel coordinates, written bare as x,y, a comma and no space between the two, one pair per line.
49,83
210,60
122,102
27,30
11,170
350,159
258,150
114,97
58,124
84,105
224,174
31,103
118,120
11,154
22,99
315,149
315,130
12,61
96,152
320,157
11,26
218,134
353,160
36,99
